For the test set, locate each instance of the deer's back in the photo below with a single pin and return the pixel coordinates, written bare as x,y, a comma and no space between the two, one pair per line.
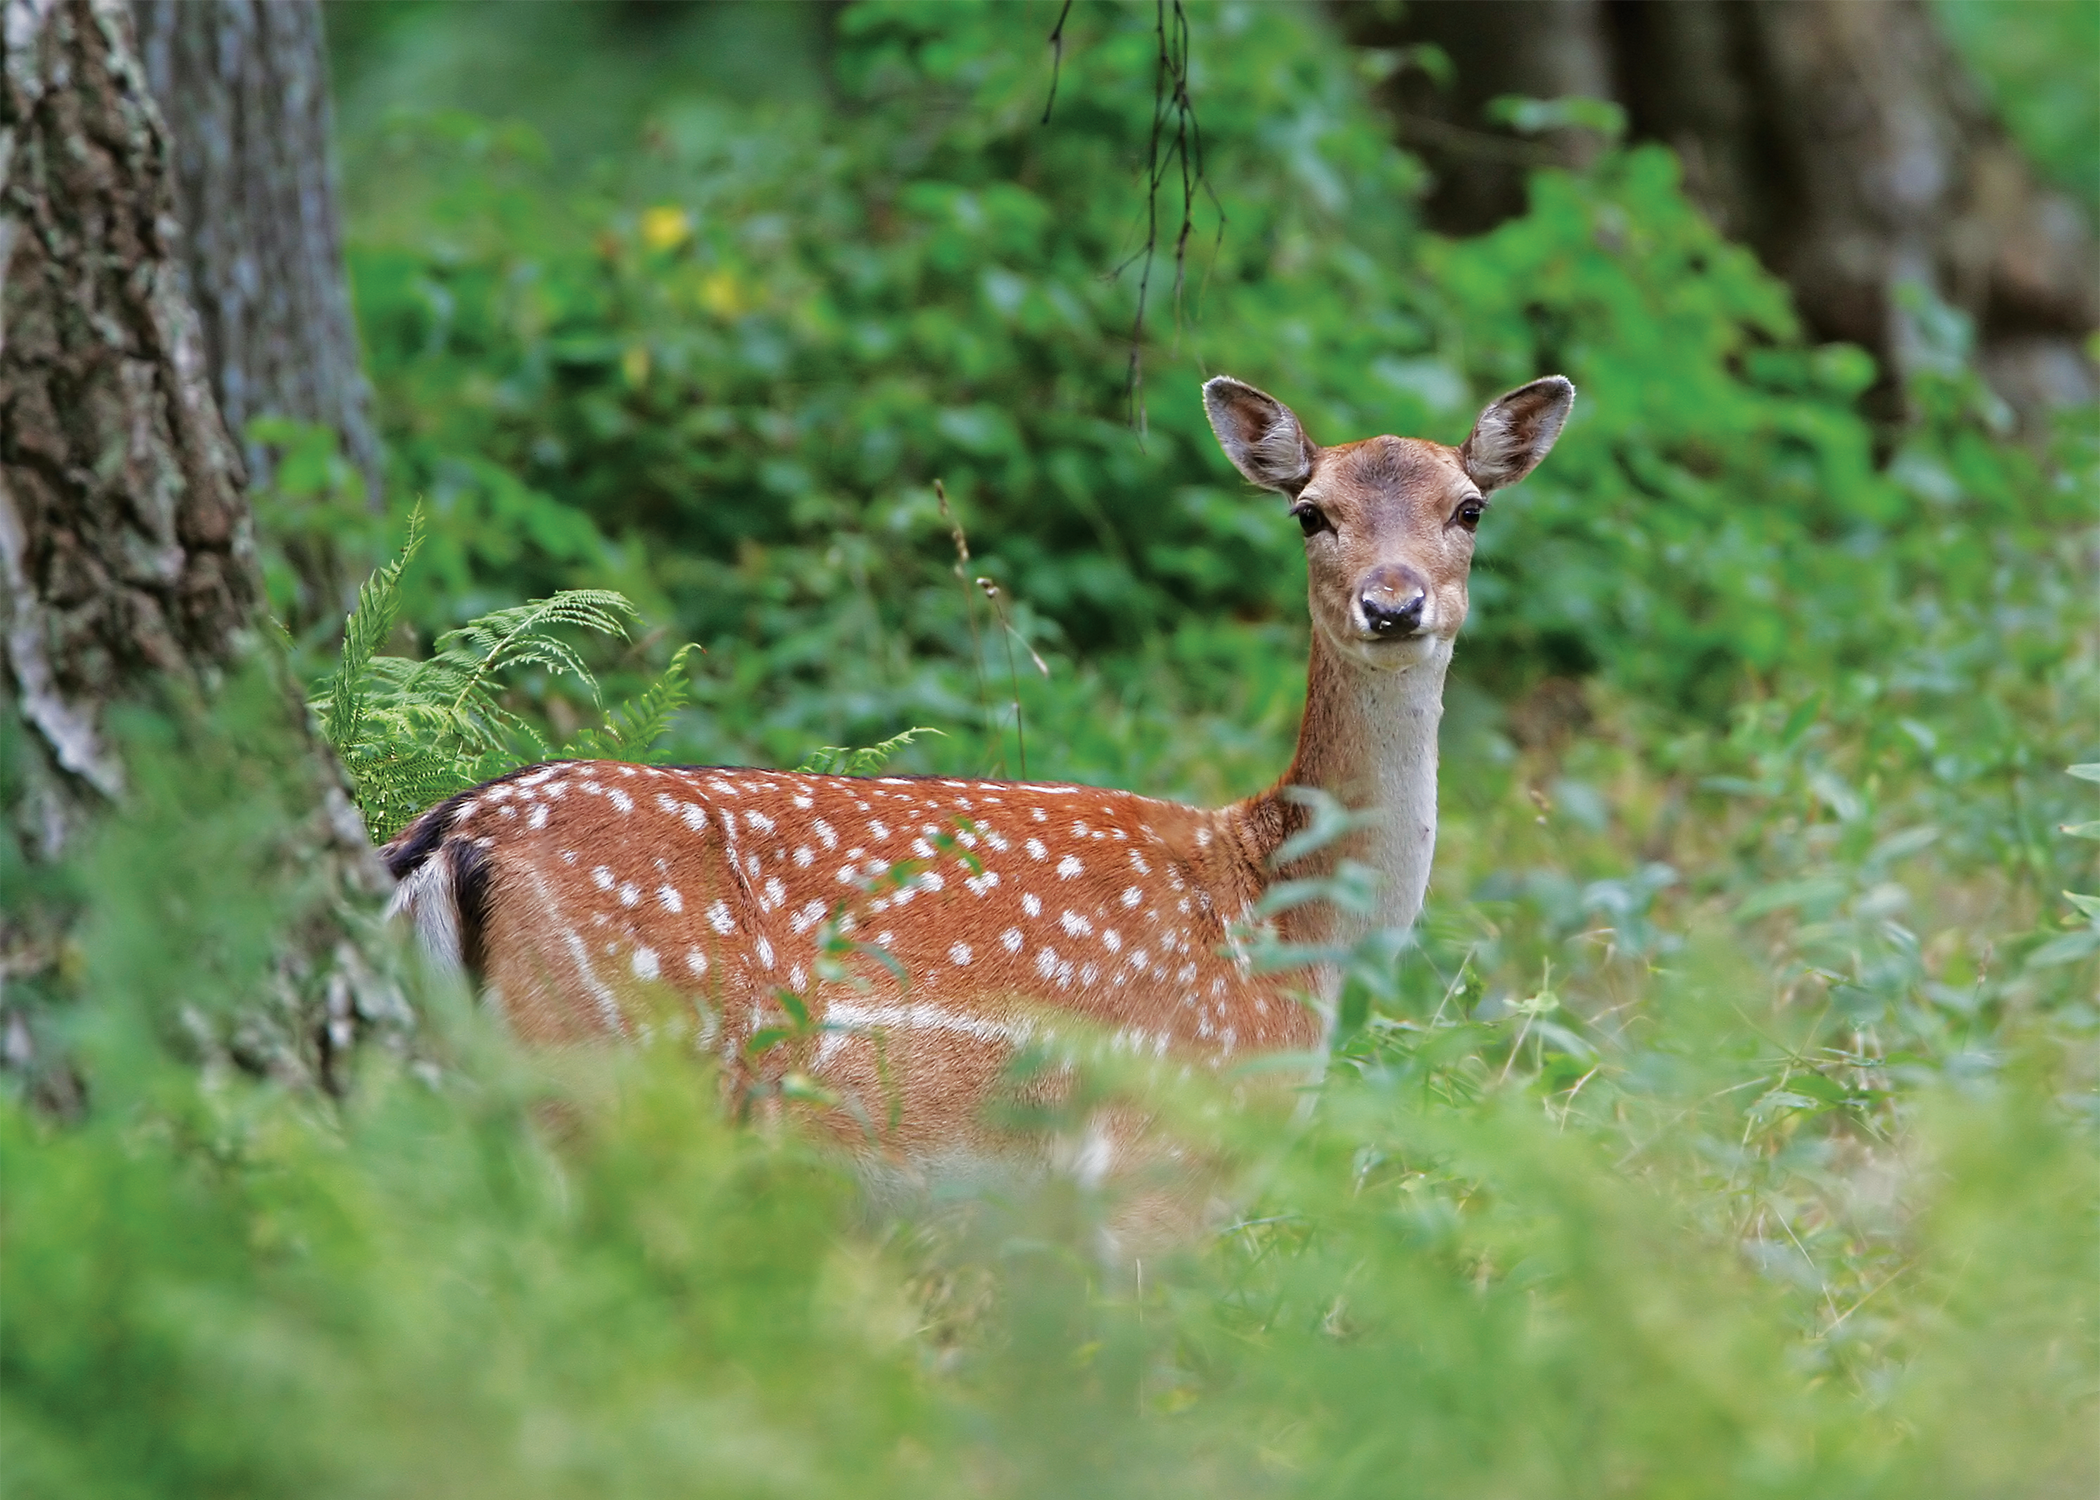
927,925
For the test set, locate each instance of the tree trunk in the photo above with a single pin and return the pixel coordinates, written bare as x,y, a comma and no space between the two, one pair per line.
1843,140
124,523
243,86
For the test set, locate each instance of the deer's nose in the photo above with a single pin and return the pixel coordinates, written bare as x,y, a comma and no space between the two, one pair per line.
1393,611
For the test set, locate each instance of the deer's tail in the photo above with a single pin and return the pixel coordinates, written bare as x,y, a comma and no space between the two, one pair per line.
443,886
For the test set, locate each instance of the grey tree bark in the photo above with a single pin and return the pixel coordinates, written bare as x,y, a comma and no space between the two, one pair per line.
1843,140
243,86
126,544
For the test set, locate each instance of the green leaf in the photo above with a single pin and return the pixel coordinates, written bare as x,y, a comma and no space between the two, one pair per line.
838,760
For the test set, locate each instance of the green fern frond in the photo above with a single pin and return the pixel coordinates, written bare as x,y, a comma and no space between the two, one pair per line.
866,760
519,637
632,729
369,623
412,732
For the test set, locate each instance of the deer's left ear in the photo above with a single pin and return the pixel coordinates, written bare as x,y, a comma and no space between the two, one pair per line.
1516,431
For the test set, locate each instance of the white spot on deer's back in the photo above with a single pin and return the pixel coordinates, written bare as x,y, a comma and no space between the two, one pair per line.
1068,867
998,844
803,856
802,800
979,884
878,828
1039,815
1010,940
539,816
1036,850
1137,862
765,954
620,800
1075,924
645,965
776,893
1133,896
696,961
630,893
1112,939
825,835
670,898
959,954
756,819
931,880
695,816
1046,962
718,917
1032,904
811,913
921,848
602,878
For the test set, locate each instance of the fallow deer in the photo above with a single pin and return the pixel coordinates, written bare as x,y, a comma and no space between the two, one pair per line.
978,912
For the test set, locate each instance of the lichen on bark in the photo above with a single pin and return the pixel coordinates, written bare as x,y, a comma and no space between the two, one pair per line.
125,532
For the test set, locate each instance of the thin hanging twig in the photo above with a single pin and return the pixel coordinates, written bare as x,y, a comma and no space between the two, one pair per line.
1179,150
1057,58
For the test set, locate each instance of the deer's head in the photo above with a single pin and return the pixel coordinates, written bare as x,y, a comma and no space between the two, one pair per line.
1388,521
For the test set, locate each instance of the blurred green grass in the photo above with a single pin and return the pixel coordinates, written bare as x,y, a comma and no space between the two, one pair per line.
1728,1128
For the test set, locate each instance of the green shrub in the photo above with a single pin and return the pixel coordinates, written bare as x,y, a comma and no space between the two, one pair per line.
724,381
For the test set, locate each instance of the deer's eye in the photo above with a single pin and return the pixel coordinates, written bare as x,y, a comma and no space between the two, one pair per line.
1311,519
1469,511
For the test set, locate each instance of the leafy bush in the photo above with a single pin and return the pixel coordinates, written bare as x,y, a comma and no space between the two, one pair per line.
725,383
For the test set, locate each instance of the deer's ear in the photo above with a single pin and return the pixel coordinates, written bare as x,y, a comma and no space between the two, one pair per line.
1518,430
1260,435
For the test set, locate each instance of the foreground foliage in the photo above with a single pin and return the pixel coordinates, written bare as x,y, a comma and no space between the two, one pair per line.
1745,1192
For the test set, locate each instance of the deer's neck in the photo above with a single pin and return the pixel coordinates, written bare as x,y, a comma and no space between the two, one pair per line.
1368,740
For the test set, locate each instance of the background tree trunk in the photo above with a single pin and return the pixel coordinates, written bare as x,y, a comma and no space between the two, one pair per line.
1843,140
124,524
243,86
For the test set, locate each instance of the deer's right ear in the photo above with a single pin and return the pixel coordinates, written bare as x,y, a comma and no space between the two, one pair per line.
1260,435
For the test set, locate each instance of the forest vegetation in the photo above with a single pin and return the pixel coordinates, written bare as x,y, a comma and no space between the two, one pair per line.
1727,1126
